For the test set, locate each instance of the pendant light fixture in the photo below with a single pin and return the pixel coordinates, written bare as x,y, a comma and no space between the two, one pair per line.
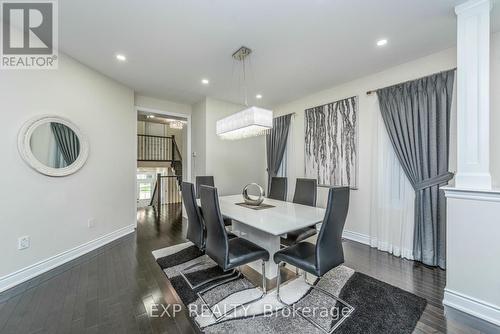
251,121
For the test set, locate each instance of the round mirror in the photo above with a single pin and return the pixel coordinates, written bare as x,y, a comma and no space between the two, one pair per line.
53,146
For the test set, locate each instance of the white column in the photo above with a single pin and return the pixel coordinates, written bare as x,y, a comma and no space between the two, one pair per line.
473,208
473,92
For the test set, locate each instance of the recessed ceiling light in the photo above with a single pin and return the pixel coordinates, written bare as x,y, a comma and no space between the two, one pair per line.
205,81
150,116
258,96
121,57
381,42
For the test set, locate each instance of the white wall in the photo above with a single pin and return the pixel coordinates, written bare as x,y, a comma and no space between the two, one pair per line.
152,129
472,271
159,104
232,163
359,212
55,211
198,134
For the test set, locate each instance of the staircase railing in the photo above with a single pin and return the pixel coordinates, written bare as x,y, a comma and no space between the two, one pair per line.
162,149
167,191
176,160
157,148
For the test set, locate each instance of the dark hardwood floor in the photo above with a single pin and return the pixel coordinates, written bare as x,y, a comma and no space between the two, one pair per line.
110,290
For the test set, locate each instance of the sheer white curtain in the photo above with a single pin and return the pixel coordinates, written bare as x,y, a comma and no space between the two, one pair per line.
393,197
282,172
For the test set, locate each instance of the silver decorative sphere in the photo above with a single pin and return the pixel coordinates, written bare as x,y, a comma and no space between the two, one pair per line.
250,200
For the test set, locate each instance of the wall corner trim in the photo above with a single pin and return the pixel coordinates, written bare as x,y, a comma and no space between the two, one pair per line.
475,307
11,280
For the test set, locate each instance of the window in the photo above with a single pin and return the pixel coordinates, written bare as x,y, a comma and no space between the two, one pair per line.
145,185
145,190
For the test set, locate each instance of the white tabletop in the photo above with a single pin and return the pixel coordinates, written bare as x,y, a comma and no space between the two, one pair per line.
283,218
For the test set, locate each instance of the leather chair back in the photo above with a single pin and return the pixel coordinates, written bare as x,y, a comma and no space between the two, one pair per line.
329,251
217,246
278,189
196,226
203,181
305,192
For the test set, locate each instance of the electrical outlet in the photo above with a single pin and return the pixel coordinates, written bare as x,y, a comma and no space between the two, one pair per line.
23,242
91,223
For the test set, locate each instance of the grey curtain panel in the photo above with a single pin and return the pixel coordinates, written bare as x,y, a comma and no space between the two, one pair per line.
276,140
417,118
67,142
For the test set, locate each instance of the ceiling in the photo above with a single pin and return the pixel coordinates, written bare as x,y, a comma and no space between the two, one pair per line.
299,46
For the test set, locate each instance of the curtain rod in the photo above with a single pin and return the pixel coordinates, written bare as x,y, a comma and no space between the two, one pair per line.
370,92
291,113
346,98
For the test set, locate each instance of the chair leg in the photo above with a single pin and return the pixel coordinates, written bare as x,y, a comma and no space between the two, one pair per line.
217,319
183,273
227,280
264,279
278,284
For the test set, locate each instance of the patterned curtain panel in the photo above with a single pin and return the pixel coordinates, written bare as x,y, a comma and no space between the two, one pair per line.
331,143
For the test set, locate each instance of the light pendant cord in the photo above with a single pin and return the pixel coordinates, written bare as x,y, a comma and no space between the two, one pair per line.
245,83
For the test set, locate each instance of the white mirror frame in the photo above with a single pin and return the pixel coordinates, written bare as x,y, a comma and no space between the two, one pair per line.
24,147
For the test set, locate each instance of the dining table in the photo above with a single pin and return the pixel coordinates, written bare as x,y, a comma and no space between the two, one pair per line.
267,223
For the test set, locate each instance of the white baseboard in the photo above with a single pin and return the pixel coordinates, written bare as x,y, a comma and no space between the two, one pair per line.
10,280
358,237
475,307
384,247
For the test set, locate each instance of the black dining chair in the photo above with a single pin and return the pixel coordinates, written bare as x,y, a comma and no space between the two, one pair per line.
203,181
227,253
196,227
305,191
305,194
196,232
278,188
327,253
208,180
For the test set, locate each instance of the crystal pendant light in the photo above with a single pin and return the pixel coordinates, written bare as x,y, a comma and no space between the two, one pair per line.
176,125
251,121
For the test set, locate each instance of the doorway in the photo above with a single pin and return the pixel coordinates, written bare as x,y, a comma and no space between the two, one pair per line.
163,159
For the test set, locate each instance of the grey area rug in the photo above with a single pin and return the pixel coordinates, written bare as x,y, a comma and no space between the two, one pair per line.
378,307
